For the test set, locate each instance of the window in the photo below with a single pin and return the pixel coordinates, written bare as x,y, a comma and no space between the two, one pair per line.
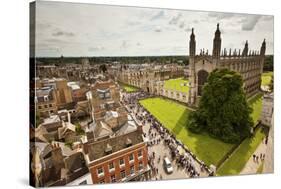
50,105
131,157
101,95
100,170
113,178
123,174
132,170
139,153
39,107
107,95
111,165
140,165
121,161
46,106
102,106
101,181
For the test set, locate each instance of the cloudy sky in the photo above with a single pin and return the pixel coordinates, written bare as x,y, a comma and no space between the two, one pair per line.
72,29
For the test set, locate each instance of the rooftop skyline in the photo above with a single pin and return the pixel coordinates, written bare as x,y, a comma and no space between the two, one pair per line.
74,29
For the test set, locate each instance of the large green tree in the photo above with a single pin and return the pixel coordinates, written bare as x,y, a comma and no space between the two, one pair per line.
223,110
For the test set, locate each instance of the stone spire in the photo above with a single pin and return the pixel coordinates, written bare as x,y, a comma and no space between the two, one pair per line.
192,44
217,43
263,48
246,49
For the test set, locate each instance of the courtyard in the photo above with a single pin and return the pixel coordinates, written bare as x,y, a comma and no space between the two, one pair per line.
178,84
174,116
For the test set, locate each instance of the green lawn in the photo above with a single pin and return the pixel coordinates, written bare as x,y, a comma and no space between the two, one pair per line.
178,84
266,78
174,117
240,157
128,88
256,104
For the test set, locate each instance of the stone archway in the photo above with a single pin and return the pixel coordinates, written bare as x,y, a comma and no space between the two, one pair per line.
147,86
202,78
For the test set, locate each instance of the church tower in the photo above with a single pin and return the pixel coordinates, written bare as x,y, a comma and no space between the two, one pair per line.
246,49
192,77
263,47
217,46
217,43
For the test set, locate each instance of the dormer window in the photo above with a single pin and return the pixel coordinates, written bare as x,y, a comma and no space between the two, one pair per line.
108,149
101,95
46,98
107,95
128,142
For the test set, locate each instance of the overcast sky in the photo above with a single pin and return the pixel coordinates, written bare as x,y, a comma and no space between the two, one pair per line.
72,29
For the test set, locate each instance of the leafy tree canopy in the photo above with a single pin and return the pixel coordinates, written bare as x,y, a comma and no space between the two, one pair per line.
223,110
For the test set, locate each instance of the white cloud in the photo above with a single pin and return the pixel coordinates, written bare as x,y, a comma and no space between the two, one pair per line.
249,23
74,29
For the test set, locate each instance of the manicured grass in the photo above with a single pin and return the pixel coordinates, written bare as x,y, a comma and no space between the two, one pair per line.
178,84
128,88
174,117
256,104
266,78
241,155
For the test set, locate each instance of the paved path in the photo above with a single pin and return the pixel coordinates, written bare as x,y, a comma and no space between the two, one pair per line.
252,166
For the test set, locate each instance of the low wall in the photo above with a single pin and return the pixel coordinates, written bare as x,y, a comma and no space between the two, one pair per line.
174,94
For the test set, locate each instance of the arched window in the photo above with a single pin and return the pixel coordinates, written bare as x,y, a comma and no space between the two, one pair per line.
202,78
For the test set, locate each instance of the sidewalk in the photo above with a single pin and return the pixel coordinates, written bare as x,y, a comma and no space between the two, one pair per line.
251,166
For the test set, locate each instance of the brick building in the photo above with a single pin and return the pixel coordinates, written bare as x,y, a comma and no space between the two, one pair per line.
118,159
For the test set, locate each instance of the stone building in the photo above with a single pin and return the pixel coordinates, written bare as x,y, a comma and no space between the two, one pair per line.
248,63
147,78
58,91
267,109
105,104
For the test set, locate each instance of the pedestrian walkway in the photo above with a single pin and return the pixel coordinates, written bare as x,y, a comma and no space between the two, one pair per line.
252,166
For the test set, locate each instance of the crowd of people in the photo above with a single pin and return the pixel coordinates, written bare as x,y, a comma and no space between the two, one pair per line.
157,133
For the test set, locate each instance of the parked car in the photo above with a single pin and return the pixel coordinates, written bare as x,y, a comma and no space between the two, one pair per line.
167,165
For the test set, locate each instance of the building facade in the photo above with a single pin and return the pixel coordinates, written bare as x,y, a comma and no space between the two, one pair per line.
118,159
248,63
267,109
148,77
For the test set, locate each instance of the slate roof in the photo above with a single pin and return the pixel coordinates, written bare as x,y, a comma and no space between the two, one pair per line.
97,150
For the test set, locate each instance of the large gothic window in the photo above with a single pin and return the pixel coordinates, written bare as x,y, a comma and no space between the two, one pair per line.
202,78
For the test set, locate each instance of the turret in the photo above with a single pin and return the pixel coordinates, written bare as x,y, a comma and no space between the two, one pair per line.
192,53
217,43
263,48
192,44
246,49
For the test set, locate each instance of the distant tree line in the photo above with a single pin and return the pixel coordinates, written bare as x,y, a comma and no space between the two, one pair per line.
124,60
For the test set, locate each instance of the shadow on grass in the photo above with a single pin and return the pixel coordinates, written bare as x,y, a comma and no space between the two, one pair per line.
205,147
181,123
